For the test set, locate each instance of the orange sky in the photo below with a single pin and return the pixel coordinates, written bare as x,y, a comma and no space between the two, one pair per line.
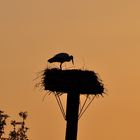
102,35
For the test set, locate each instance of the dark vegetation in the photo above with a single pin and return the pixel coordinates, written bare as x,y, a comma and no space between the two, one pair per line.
19,128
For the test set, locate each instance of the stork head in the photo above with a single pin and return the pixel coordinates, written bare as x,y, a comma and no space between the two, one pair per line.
71,58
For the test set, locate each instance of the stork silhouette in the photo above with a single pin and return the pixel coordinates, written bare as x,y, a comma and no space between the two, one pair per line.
61,58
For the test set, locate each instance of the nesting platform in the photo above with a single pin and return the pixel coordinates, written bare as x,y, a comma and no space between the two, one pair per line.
72,81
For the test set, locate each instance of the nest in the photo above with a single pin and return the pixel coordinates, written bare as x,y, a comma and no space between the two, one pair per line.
72,81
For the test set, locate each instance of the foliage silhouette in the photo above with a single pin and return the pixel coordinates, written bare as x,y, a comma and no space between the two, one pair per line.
19,128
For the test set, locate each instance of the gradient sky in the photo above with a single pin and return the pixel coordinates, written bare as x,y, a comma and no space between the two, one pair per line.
102,36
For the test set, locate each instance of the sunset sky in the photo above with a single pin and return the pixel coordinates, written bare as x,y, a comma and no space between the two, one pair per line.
101,35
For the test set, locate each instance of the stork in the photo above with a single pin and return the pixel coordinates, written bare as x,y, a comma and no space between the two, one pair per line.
61,58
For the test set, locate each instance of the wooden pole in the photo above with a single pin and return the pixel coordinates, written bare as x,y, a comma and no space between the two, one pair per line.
72,116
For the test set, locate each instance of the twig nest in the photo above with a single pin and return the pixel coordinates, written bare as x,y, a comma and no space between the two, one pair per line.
72,81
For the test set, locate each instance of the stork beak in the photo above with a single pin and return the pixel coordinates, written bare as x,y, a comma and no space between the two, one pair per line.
72,61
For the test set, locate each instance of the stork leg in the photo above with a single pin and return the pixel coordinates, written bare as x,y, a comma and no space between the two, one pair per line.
61,66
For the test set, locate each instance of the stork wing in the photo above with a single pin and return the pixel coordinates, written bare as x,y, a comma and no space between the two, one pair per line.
62,55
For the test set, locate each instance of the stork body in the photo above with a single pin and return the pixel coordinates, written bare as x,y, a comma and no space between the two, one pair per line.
61,58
